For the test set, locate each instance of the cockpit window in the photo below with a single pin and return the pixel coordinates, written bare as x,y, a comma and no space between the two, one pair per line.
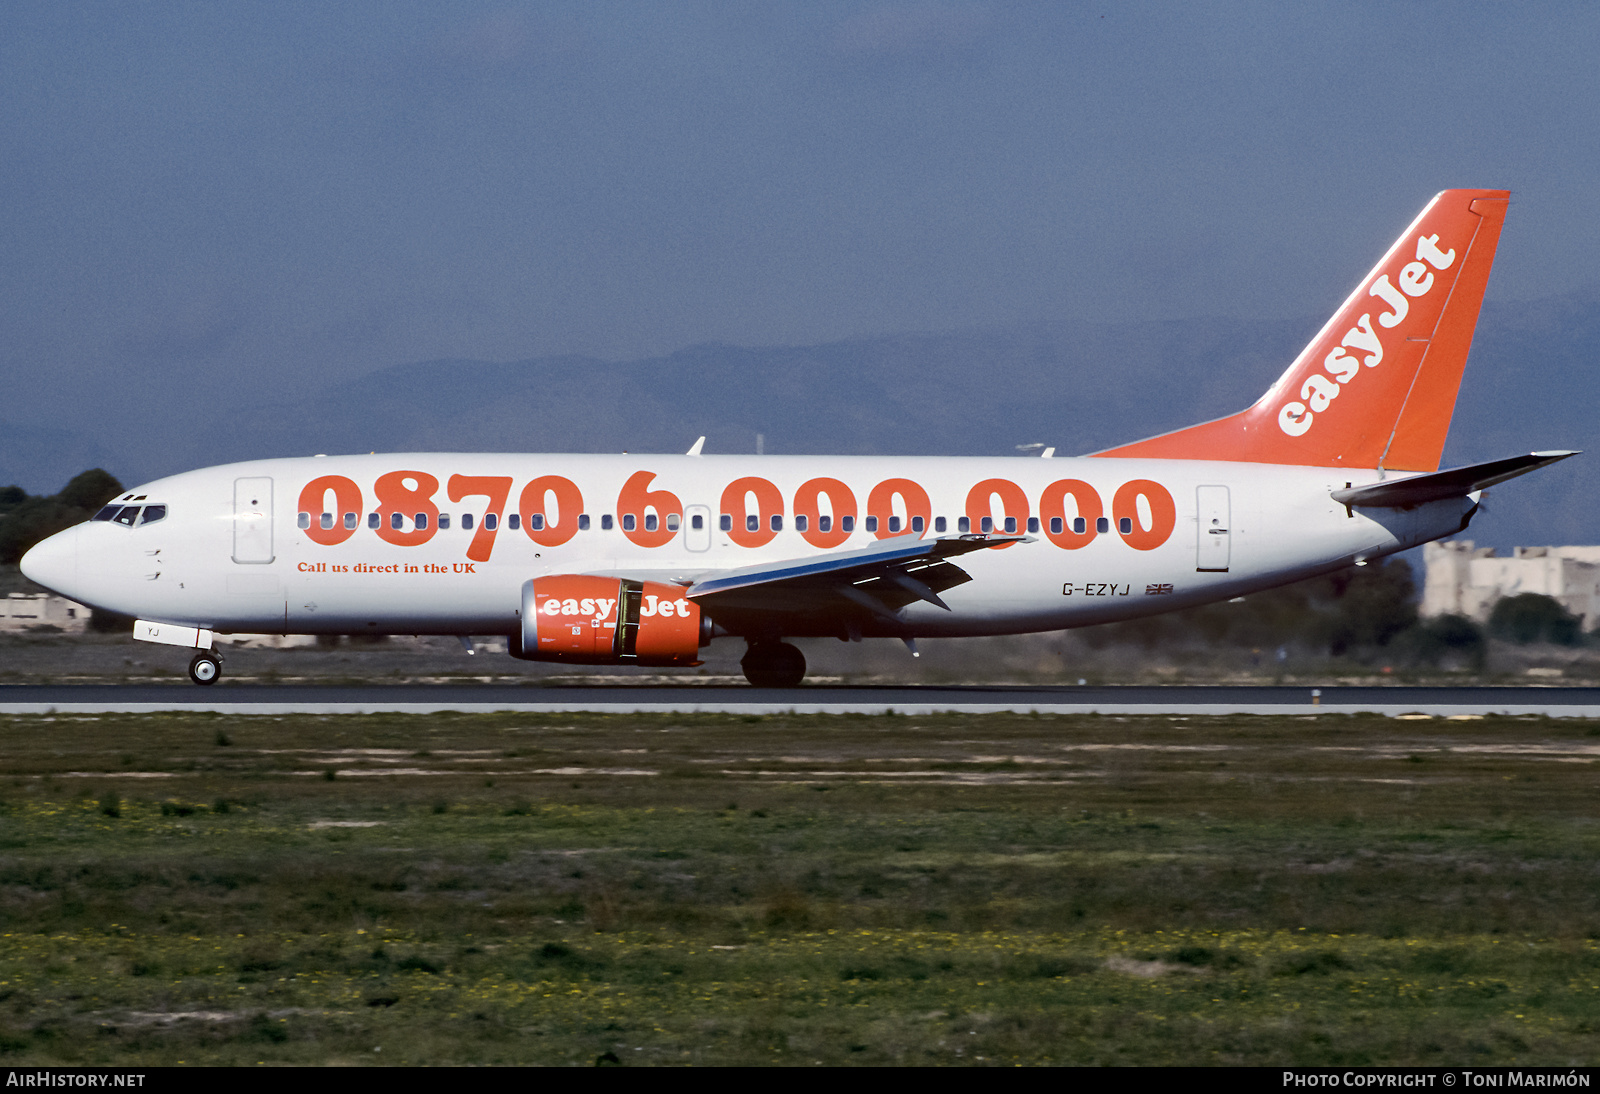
128,515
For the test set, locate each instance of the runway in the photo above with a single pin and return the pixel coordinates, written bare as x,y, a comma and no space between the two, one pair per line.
425,699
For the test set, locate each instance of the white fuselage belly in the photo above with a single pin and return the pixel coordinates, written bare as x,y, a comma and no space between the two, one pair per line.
1275,523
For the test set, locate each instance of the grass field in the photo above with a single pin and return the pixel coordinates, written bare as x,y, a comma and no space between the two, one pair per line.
722,890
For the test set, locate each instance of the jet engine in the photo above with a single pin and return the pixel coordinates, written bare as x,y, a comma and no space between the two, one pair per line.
590,620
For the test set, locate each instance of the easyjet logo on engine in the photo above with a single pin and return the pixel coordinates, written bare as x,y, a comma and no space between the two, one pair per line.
1320,389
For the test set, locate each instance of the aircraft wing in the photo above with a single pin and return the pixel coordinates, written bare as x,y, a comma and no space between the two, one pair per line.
878,580
1457,482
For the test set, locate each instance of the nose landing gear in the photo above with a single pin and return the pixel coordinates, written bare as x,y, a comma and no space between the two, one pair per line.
206,668
773,665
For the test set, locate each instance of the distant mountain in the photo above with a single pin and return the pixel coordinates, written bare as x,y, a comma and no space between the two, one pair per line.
1531,384
1079,387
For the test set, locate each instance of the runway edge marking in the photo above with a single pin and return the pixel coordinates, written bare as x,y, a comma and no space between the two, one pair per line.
920,709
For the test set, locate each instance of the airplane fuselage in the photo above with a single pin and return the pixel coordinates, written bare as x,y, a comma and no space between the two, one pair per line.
644,559
335,544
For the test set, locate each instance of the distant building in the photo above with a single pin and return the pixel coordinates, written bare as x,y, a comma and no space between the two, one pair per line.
1467,580
24,611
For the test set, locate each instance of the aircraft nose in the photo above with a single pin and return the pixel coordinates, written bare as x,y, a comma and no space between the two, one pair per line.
53,562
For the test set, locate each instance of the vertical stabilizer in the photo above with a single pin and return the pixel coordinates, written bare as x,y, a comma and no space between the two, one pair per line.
1377,385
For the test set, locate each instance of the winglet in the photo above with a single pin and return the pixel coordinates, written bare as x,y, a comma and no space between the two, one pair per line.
694,449
1377,386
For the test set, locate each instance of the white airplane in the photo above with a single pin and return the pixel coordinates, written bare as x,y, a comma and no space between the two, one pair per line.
643,560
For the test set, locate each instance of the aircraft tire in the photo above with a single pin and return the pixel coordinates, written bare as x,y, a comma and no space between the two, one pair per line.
773,665
205,669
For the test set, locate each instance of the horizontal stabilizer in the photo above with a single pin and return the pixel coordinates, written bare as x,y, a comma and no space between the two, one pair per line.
1457,482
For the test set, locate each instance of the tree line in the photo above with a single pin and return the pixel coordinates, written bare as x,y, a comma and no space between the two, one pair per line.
26,519
1361,614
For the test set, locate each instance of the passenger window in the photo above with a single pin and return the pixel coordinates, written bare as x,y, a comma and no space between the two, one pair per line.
824,524
397,521
535,521
777,522
583,522
939,524
673,522
513,521
628,522
325,521
421,521
1033,524
727,523
917,524
491,521
373,521
697,522
1011,526
444,520
986,525
351,520
605,522
1102,525
894,524
964,524
1079,526
801,523
847,523
649,522
1125,525
466,522
752,523
1055,526
303,520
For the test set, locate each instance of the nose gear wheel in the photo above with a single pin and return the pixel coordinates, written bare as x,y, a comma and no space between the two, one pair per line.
206,668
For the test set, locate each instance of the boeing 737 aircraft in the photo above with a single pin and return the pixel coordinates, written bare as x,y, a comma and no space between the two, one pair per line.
643,560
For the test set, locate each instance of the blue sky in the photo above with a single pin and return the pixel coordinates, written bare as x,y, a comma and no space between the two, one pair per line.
204,204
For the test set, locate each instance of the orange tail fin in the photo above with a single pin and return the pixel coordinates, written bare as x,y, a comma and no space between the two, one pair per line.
1377,386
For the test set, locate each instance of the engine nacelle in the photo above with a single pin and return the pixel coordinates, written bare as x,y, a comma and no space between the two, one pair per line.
589,620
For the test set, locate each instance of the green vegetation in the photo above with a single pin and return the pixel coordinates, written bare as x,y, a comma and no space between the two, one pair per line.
715,889
1361,614
1530,617
26,520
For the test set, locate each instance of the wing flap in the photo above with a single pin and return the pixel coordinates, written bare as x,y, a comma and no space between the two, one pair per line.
880,579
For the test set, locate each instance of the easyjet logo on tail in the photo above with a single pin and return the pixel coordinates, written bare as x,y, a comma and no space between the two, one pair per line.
1319,390
1401,338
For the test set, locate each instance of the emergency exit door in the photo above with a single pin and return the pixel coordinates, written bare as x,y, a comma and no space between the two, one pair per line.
1212,547
697,528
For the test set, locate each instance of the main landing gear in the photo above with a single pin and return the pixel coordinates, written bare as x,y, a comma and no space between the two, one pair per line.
206,668
773,665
